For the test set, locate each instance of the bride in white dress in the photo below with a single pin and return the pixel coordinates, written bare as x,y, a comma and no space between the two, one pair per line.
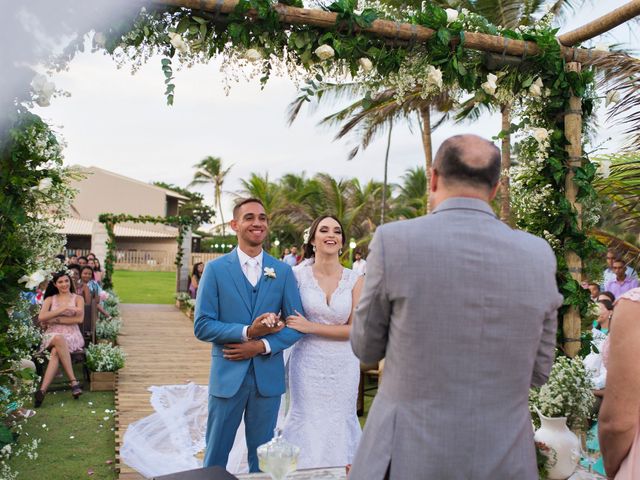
323,371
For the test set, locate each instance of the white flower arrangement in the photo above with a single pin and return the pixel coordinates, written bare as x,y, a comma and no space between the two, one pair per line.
490,85
108,329
269,272
452,15
567,393
178,43
102,357
182,296
253,55
33,280
535,89
434,76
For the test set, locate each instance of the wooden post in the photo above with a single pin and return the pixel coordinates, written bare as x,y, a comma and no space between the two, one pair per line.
425,114
573,132
505,202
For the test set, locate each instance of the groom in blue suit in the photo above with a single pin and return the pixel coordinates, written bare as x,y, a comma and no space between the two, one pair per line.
241,298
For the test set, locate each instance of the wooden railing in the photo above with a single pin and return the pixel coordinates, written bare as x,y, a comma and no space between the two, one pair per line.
144,257
203,257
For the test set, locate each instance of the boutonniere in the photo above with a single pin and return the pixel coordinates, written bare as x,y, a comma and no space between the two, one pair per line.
269,272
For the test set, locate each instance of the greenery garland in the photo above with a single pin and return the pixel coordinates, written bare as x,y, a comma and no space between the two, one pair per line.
183,223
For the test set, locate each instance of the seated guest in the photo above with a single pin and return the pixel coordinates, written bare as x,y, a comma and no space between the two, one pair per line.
609,274
97,271
594,289
196,274
61,258
601,329
285,254
593,362
82,261
74,272
90,288
72,260
621,283
620,412
61,313
91,256
607,296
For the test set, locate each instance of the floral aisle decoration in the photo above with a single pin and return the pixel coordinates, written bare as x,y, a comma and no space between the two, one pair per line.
34,200
111,304
108,330
103,361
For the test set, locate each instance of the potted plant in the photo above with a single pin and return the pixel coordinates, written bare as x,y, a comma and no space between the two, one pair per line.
181,299
191,307
103,361
561,405
107,330
110,302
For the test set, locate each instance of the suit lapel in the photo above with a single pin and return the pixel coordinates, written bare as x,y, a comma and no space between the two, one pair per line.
265,282
233,265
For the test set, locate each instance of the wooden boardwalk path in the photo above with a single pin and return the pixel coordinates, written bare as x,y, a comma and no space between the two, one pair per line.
161,350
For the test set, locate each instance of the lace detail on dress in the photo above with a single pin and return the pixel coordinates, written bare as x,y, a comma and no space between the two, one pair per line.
323,379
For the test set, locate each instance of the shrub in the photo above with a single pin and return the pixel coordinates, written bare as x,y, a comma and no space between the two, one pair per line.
103,357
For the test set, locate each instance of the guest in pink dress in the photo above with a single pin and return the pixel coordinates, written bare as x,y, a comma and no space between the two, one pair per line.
620,412
61,313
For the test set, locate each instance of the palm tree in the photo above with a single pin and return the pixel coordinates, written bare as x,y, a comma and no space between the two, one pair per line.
210,171
412,197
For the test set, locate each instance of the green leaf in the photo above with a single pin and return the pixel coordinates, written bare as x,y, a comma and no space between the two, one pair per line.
444,36
200,20
183,24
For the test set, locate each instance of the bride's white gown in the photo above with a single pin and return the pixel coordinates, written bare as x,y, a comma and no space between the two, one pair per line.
323,386
323,379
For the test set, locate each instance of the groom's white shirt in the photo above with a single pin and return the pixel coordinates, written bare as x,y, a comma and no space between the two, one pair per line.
245,264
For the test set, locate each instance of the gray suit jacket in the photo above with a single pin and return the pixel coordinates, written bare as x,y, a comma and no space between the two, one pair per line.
463,309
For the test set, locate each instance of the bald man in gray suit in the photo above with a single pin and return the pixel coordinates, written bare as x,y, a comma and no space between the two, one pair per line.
466,323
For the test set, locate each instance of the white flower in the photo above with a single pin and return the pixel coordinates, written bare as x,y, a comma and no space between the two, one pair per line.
178,42
253,55
601,47
365,64
33,280
452,15
269,272
434,76
540,134
324,52
613,96
490,85
100,39
535,89
45,184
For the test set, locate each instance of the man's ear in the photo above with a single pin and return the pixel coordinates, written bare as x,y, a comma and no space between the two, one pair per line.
494,191
433,185
233,224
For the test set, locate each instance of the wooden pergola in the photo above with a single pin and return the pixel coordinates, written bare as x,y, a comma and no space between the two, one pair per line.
399,32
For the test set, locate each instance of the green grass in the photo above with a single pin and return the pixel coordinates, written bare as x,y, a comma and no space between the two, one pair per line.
145,287
75,438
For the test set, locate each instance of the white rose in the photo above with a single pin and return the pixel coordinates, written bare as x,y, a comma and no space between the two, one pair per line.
45,184
452,15
535,89
324,52
601,47
365,64
434,76
178,42
613,96
33,280
253,55
490,85
540,134
100,39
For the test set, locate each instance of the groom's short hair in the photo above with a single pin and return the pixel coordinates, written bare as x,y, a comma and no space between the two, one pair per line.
242,202
469,160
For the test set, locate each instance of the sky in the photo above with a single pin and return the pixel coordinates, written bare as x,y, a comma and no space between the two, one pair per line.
120,122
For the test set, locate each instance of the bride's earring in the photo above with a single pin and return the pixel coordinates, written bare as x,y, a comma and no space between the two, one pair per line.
314,248
340,252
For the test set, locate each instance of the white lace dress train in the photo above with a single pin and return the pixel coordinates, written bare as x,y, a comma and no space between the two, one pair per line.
323,380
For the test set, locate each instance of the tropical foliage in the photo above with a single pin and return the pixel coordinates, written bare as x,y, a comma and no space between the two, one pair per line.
194,207
209,171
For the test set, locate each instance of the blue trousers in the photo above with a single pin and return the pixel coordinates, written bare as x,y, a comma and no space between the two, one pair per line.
225,414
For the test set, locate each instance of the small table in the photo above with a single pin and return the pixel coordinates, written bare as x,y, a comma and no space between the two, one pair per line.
334,473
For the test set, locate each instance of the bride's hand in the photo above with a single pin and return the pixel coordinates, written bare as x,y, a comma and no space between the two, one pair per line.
299,323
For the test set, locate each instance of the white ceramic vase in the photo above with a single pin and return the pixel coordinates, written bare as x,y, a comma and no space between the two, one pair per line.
564,445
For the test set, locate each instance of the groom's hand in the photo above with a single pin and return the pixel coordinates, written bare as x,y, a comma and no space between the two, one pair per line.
243,351
265,324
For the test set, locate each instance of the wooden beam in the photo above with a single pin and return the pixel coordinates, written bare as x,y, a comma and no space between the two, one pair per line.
571,324
601,25
391,30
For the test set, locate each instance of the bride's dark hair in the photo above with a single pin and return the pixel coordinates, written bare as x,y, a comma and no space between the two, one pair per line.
308,248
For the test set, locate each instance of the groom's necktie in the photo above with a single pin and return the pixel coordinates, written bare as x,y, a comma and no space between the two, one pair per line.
253,271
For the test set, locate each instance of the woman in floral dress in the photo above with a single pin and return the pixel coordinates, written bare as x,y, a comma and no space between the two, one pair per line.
61,313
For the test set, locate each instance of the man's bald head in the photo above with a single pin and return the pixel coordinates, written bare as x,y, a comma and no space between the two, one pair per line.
468,160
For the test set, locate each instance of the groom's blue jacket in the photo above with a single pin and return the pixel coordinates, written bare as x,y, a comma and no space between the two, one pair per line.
226,304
